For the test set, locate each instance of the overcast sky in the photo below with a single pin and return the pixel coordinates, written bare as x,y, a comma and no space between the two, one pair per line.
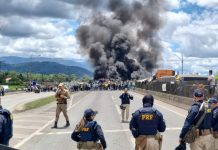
47,28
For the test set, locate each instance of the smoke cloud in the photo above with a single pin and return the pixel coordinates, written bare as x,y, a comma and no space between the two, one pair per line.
122,44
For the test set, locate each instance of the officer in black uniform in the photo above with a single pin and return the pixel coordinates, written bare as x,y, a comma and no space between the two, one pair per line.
204,141
146,123
213,104
6,131
89,132
125,105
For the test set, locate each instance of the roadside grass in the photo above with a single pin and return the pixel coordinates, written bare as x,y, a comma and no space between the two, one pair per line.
15,87
38,103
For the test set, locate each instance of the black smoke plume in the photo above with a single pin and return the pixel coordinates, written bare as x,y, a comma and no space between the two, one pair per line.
123,43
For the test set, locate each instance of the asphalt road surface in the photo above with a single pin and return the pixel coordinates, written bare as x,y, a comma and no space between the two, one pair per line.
107,103
11,101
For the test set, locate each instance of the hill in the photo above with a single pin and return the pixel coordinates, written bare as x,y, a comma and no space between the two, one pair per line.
66,62
46,68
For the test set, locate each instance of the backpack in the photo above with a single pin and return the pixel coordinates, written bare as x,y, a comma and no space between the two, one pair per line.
8,127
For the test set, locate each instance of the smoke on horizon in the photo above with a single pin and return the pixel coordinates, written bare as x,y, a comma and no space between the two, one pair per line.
123,44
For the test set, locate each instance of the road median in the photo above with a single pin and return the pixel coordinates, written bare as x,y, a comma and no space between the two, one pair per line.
34,104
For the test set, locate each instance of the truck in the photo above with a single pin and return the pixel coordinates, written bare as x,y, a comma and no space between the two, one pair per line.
162,73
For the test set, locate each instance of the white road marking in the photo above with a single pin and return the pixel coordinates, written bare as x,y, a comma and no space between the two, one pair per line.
69,132
33,134
25,127
105,131
172,129
31,116
182,115
71,101
117,131
117,106
33,121
39,130
133,141
118,109
19,136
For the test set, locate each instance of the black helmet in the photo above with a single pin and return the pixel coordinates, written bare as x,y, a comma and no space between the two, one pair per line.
148,99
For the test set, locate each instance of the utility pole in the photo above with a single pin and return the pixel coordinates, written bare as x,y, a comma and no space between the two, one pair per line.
31,59
182,64
182,61
0,66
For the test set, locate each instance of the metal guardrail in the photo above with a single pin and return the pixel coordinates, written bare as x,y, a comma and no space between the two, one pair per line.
174,88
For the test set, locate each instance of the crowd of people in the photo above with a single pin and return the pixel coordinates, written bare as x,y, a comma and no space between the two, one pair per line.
102,84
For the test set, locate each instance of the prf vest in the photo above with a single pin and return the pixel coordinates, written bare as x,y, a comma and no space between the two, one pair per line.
88,132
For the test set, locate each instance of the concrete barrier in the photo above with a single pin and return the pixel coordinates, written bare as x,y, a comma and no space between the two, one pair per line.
178,101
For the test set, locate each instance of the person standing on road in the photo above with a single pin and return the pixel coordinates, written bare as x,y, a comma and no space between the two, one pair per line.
145,125
61,95
212,84
214,106
199,113
88,132
125,104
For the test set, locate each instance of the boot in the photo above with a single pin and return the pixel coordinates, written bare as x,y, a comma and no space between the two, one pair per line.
55,125
67,124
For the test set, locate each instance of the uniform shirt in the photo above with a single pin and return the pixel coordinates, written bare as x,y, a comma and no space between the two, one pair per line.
215,119
2,126
90,132
6,129
65,93
194,115
147,121
125,98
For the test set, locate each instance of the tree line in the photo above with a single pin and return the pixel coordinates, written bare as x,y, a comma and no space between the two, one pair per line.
16,78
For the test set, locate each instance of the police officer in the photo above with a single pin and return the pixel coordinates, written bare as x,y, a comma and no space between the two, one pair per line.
125,104
61,95
88,132
145,125
214,106
6,130
204,138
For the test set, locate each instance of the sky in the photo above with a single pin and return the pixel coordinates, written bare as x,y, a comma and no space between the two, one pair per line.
47,28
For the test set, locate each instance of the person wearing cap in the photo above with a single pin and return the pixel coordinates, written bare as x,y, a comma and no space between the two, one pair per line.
204,139
88,132
61,96
125,105
145,125
213,104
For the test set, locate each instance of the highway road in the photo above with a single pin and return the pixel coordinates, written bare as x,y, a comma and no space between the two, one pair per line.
11,101
117,134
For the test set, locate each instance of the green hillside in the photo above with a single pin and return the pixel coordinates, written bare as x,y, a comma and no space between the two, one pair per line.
46,68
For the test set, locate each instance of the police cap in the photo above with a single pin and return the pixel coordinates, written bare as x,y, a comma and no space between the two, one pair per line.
212,100
89,112
148,99
61,84
198,93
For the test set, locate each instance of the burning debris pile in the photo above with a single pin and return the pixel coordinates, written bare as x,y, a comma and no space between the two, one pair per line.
122,43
